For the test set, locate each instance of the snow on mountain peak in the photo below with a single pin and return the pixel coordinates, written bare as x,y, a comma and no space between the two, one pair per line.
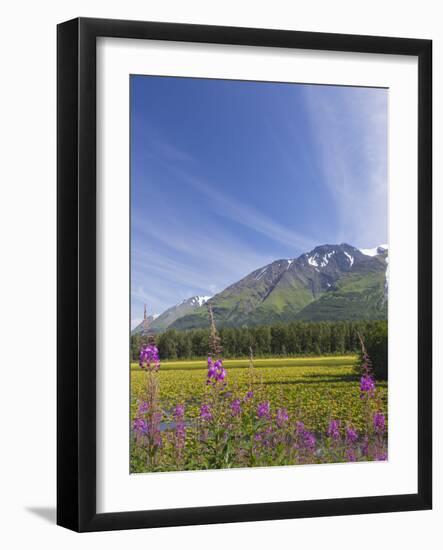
201,299
320,260
374,251
312,260
350,258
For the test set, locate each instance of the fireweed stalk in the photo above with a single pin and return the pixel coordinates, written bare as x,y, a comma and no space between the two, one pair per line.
374,440
179,433
351,438
147,422
367,386
214,414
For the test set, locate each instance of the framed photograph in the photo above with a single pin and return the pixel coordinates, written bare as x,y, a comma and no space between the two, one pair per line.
244,274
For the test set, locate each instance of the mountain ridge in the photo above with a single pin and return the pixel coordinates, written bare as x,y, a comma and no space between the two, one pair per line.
331,282
161,322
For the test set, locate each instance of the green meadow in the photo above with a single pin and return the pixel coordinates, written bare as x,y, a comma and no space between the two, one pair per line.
313,389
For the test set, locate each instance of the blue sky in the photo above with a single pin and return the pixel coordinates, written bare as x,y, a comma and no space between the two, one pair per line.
227,176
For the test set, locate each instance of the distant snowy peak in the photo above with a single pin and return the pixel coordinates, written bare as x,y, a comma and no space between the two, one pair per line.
319,259
321,256
380,249
197,300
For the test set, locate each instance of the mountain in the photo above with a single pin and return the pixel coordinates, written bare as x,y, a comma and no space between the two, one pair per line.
332,282
163,321
139,328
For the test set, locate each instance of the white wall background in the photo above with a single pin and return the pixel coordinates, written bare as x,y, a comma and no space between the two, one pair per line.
27,270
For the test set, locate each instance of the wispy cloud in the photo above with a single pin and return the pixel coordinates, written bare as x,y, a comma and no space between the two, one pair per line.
350,131
173,261
248,216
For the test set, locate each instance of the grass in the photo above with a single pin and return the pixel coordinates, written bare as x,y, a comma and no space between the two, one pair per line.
315,389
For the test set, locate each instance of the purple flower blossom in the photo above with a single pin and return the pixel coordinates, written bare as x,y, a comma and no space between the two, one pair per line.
367,386
379,422
179,411
235,407
140,426
351,435
205,413
149,358
216,371
264,409
282,417
381,455
350,455
248,396
309,440
334,429
143,407
306,439
221,374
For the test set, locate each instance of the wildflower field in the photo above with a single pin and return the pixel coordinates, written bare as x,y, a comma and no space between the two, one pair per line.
201,414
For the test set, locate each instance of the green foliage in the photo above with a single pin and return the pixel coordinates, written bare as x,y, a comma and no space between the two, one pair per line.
297,338
376,342
356,297
315,388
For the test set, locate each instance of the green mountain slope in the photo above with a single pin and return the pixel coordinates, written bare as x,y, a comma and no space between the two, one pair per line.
332,282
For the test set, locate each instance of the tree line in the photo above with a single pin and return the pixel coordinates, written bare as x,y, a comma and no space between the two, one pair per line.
289,339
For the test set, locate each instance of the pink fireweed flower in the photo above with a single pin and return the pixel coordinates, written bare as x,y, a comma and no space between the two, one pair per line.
334,429
179,411
221,374
205,413
143,407
351,435
248,396
381,455
367,386
236,407
306,439
149,358
140,426
379,422
282,417
309,441
350,455
264,409
216,371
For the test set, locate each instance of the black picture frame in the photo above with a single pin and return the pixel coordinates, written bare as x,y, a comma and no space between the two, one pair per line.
76,280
